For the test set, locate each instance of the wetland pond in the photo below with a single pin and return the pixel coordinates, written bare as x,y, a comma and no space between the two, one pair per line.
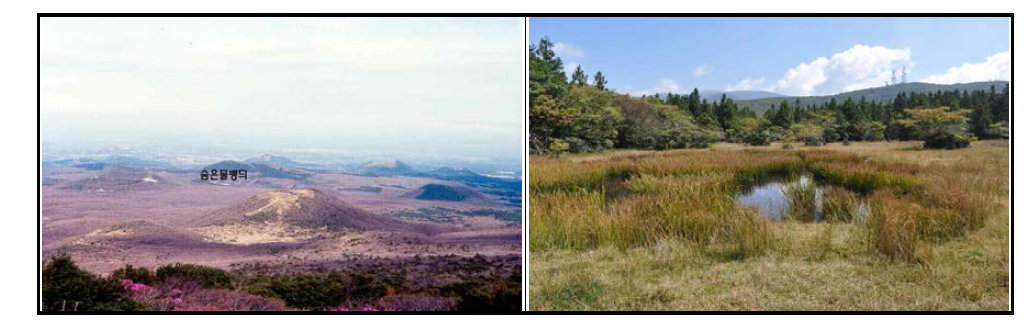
768,195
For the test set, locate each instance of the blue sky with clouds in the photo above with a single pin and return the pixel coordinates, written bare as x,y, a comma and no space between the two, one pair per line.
793,56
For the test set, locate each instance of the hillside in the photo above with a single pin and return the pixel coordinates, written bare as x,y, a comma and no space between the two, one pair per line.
434,191
272,159
388,168
265,170
453,172
139,233
303,208
297,215
118,178
282,161
882,94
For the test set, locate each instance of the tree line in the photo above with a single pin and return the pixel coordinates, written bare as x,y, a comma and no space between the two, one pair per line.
577,115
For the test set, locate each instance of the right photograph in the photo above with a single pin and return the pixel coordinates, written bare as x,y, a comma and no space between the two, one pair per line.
769,164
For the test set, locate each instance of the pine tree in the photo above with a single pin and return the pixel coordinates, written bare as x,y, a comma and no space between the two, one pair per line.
553,63
578,77
599,81
784,116
694,103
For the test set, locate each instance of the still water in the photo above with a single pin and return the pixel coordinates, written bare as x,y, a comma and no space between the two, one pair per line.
768,196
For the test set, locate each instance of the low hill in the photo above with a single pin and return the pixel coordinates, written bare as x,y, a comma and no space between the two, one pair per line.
388,168
306,209
472,178
880,94
434,191
453,172
272,159
119,178
265,170
282,161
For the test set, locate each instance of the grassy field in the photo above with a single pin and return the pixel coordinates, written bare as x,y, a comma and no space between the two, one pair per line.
644,230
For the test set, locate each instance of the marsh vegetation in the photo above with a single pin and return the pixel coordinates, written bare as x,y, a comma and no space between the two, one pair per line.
865,226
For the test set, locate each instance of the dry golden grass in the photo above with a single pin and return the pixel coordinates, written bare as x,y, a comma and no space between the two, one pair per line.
937,236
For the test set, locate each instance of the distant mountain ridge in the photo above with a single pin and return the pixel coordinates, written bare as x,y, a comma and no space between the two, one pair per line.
879,94
263,169
93,164
388,168
273,159
715,95
119,178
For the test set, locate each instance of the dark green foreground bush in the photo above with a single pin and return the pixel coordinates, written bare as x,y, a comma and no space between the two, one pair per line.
206,276
66,287
946,140
135,274
307,291
435,283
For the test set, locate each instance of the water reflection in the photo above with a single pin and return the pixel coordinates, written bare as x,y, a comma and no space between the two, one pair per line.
769,197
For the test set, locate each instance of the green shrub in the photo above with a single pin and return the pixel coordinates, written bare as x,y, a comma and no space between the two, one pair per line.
365,286
66,287
577,145
940,128
486,296
307,291
946,140
138,275
205,276
817,141
759,138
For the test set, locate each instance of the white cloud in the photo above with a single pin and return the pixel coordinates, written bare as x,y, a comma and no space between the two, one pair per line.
859,67
801,80
701,70
996,67
567,50
662,87
666,86
747,83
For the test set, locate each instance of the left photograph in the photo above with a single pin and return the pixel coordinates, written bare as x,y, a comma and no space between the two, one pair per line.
281,164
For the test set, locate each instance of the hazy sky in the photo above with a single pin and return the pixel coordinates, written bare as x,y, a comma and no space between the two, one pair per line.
791,56
440,86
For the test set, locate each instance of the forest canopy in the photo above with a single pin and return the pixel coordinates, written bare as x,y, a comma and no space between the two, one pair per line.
579,115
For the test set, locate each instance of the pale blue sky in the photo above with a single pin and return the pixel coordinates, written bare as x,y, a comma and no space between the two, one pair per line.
794,56
437,86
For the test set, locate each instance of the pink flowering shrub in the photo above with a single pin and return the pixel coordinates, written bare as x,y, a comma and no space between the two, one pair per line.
179,296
